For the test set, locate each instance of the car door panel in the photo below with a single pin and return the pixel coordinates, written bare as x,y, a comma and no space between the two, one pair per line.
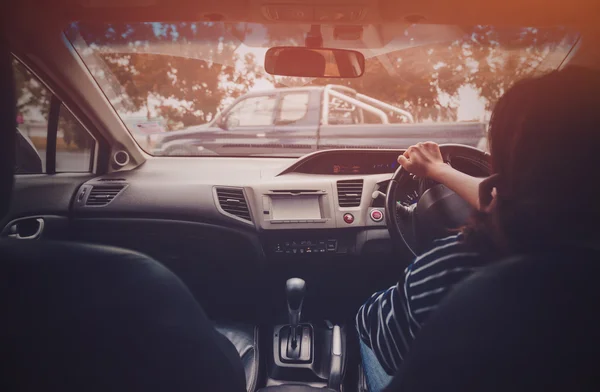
296,123
41,195
248,126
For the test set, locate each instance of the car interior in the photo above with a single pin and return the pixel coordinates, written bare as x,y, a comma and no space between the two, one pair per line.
123,270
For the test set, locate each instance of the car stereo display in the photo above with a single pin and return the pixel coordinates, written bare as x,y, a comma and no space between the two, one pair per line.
295,208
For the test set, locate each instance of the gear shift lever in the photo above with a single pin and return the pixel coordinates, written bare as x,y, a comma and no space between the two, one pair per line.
295,288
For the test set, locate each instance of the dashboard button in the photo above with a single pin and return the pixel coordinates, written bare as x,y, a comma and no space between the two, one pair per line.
376,215
348,218
331,245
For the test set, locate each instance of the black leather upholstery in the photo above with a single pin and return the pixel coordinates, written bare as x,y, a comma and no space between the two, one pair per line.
527,324
245,339
79,317
294,388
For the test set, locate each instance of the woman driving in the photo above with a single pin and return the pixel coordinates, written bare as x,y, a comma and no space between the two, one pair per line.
543,138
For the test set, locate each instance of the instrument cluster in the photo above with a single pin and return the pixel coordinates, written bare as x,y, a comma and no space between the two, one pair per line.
351,162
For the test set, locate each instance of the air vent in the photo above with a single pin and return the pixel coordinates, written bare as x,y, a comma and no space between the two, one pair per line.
233,202
111,179
349,192
101,195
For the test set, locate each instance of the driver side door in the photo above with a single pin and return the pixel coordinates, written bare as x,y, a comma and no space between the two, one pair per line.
248,125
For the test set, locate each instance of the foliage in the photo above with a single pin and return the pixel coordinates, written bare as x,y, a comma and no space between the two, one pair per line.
34,100
73,132
188,86
426,79
31,94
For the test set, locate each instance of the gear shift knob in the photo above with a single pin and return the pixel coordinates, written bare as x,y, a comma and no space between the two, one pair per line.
295,288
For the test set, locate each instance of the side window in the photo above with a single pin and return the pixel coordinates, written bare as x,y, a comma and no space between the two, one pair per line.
33,108
74,145
294,107
251,112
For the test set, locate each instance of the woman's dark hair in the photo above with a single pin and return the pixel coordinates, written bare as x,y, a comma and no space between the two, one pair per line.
544,139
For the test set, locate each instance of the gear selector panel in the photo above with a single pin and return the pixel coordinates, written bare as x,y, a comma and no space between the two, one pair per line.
301,352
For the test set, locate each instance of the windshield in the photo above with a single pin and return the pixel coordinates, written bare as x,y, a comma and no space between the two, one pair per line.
197,89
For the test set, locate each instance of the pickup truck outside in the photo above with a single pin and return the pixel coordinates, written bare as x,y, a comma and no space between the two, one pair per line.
297,121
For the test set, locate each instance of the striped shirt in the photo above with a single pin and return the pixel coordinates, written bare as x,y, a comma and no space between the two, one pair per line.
389,320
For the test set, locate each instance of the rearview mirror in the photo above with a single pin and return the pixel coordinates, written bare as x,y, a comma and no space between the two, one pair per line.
314,63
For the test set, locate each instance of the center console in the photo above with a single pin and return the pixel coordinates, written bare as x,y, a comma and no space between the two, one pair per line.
302,216
305,353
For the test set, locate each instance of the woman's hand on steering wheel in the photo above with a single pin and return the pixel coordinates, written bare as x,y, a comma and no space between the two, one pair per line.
442,206
423,160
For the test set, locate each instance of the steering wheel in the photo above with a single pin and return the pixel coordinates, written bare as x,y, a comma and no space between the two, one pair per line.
438,209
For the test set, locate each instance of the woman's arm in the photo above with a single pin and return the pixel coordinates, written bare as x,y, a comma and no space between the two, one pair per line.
425,160
383,325
390,319
463,184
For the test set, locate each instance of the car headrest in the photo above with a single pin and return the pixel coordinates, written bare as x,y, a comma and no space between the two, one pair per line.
8,124
525,324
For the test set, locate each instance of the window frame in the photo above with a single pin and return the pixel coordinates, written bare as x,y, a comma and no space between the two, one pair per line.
52,129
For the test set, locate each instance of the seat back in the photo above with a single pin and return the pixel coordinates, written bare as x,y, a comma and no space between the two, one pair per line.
527,324
79,317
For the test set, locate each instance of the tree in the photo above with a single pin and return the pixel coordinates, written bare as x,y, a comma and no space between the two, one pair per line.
187,72
504,56
426,79
186,69
31,94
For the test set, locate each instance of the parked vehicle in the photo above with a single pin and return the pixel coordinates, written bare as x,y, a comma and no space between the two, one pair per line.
143,129
296,121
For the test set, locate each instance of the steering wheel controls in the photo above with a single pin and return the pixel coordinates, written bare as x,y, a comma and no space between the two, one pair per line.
349,218
376,215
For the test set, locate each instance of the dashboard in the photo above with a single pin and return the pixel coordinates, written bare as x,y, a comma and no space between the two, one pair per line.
241,225
322,204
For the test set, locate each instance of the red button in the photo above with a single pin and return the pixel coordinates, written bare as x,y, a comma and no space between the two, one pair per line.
376,215
348,218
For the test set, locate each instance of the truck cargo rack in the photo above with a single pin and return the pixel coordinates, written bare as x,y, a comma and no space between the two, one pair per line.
364,102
